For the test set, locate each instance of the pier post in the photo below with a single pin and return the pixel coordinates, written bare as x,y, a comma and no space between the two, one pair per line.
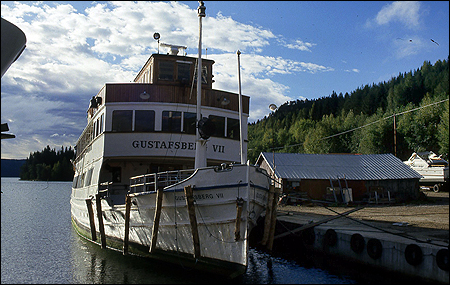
193,219
273,219
268,216
98,203
91,219
127,224
237,227
159,197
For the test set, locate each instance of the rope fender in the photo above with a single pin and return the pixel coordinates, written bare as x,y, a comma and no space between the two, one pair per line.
413,254
357,243
374,248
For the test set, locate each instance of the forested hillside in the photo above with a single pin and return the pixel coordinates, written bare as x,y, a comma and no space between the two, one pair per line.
363,121
49,165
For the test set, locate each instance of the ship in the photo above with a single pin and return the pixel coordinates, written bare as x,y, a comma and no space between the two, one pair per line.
161,169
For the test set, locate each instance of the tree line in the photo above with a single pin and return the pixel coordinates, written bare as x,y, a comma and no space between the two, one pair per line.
49,165
363,121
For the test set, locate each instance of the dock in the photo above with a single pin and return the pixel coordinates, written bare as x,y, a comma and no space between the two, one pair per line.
395,246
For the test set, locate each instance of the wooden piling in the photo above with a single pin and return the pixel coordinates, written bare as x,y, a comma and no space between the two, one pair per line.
237,227
273,219
156,218
193,219
127,224
98,203
268,216
91,219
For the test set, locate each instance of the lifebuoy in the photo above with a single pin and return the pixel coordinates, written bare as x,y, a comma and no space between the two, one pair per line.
374,248
357,243
436,188
442,259
330,238
413,254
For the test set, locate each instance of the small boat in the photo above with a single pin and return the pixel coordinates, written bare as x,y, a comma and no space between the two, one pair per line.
162,173
433,168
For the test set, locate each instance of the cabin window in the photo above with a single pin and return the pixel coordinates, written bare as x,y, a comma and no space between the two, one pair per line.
88,179
171,122
233,129
101,124
219,123
189,123
122,120
166,70
116,174
184,72
144,121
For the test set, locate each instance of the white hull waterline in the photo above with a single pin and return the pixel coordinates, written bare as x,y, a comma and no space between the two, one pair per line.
225,212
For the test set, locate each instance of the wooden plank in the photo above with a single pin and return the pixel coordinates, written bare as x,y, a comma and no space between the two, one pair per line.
127,224
193,219
302,228
157,217
91,219
98,203
237,227
273,218
268,216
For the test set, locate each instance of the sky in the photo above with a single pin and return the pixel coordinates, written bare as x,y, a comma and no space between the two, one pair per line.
293,50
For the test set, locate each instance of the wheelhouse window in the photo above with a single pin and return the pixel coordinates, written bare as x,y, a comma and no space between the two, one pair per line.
166,69
171,121
122,120
204,75
219,123
233,129
144,121
189,122
184,71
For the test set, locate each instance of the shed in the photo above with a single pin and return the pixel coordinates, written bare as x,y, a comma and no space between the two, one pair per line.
371,177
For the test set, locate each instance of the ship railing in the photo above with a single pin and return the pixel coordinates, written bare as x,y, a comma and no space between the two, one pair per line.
151,182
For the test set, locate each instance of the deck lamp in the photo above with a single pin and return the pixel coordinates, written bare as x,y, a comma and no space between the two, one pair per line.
223,100
144,95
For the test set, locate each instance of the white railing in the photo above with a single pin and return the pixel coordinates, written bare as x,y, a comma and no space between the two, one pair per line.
151,182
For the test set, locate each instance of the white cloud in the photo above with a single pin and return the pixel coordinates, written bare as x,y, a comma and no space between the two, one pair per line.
301,45
71,54
405,48
404,12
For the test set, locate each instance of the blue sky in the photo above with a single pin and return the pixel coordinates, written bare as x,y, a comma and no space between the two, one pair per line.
290,50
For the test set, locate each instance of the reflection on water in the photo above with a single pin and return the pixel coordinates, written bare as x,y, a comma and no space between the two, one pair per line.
39,245
91,264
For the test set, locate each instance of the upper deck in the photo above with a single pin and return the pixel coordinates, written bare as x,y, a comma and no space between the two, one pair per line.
166,89
170,79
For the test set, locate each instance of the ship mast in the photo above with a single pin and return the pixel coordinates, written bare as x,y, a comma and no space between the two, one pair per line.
200,147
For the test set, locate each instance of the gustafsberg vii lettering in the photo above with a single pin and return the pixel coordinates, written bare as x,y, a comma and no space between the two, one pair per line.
163,144
172,145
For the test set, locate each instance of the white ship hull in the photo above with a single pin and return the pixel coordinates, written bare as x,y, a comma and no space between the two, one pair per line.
200,211
215,194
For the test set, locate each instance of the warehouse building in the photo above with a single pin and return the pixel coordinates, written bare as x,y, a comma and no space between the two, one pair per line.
376,178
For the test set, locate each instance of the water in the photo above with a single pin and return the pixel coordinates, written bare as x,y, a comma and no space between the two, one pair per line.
39,245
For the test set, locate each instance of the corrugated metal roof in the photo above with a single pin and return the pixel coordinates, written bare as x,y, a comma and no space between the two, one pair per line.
296,166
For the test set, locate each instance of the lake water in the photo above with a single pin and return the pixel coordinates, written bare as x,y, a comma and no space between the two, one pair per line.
39,245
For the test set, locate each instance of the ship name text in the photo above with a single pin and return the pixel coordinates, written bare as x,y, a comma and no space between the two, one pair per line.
173,145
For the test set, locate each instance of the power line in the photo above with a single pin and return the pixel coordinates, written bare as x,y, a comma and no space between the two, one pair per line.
385,118
415,109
